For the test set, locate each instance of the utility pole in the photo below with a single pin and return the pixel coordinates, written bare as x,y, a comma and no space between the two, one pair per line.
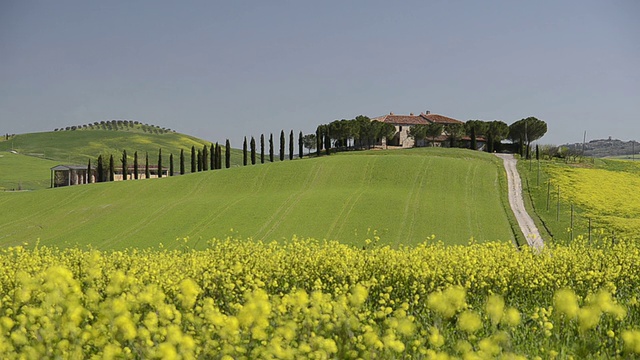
584,140
633,150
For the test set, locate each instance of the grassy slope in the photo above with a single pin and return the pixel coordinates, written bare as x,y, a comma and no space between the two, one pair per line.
25,172
405,195
77,147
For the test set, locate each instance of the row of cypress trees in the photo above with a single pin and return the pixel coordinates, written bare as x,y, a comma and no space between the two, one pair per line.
209,157
250,152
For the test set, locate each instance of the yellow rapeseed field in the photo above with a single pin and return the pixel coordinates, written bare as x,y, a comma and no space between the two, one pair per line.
310,299
610,198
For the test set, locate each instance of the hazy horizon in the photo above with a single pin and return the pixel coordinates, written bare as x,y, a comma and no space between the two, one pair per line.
220,70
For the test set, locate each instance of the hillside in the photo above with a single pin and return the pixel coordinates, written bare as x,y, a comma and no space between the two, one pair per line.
405,196
80,146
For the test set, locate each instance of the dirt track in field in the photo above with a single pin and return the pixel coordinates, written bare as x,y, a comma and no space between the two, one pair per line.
516,202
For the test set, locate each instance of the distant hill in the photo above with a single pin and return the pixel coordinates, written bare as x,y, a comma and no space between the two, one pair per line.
81,145
606,148
404,195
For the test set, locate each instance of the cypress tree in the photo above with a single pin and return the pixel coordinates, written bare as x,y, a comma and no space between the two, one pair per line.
100,170
212,155
281,145
300,145
147,173
135,165
244,152
193,159
89,172
170,164
218,156
227,155
124,165
199,160
271,147
291,145
181,161
261,148
205,158
318,141
112,170
159,163
253,151
537,152
474,142
327,142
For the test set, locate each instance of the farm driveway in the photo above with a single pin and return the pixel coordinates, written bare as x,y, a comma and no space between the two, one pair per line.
516,202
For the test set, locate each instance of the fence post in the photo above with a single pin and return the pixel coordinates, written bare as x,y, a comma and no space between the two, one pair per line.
558,209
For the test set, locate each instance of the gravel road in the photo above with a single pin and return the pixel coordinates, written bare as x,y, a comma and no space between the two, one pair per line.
516,202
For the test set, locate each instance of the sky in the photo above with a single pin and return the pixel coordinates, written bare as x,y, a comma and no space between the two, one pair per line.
229,69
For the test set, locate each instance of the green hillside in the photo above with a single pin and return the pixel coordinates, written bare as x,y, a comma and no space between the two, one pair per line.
404,195
79,146
21,172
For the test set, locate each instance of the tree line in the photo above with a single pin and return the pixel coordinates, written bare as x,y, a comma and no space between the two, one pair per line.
209,157
362,133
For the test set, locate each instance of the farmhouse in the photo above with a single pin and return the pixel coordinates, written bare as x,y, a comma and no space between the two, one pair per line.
67,175
404,122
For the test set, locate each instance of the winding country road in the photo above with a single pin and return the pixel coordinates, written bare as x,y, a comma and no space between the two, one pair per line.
516,202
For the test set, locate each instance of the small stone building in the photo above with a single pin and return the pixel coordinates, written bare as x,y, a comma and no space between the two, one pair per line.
67,175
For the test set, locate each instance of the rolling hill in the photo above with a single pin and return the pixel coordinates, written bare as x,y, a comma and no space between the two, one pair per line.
79,146
404,196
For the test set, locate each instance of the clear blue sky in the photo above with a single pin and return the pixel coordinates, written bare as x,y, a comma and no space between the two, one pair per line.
226,69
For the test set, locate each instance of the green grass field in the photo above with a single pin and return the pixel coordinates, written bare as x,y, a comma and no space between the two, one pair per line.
48,149
21,172
404,195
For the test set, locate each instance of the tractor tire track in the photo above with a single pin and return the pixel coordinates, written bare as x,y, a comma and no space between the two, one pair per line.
351,202
214,215
412,204
311,179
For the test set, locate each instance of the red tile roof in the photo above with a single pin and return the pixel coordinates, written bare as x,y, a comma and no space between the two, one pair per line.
435,118
402,119
422,119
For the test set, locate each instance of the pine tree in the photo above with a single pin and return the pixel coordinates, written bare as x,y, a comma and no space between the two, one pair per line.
212,155
291,145
170,164
124,165
112,170
147,172
282,145
205,158
300,145
261,148
159,163
271,147
193,159
135,165
253,151
100,170
227,155
244,152
89,172
199,160
181,161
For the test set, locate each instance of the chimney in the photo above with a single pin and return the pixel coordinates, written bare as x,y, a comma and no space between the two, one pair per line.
410,114
391,113
427,112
